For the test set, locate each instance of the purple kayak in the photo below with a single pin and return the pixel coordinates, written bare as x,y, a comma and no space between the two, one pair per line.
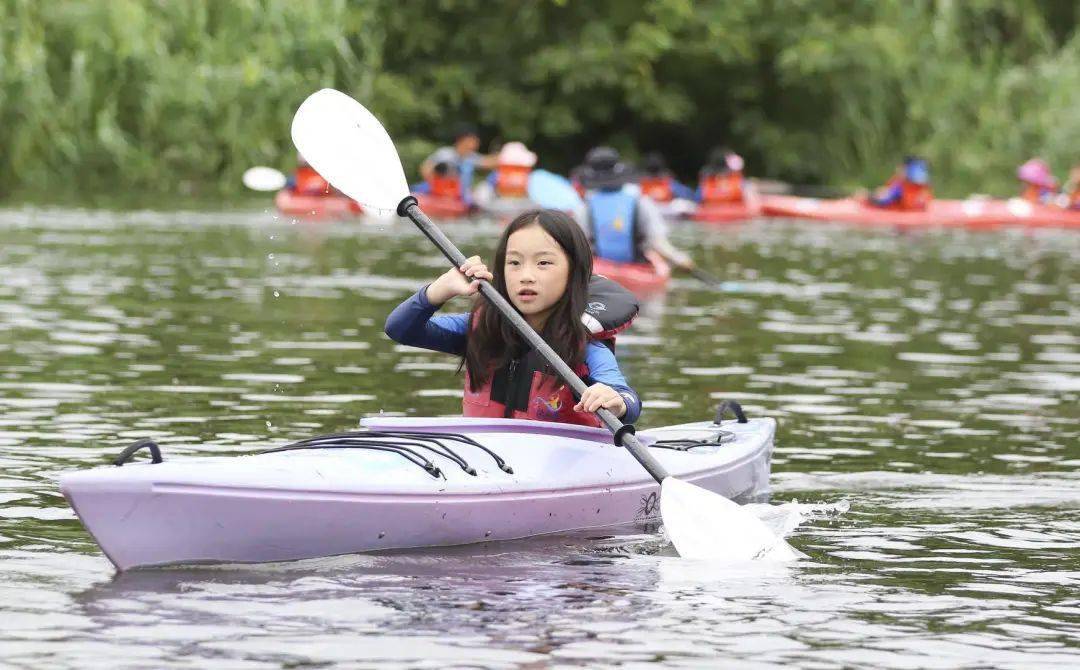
403,483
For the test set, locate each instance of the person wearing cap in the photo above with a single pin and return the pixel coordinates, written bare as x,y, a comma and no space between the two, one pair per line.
659,183
513,164
623,225
1040,187
721,179
908,189
455,162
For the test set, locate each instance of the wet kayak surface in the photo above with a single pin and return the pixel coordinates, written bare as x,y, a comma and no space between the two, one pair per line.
927,382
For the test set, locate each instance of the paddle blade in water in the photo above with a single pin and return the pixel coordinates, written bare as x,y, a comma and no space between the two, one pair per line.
264,178
706,525
348,146
552,191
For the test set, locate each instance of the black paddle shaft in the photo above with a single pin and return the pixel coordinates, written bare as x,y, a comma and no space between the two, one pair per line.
624,435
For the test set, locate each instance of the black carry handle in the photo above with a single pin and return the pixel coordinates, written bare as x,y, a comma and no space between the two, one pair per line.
131,449
735,408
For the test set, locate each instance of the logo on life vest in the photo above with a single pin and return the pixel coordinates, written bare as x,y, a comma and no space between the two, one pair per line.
550,408
618,223
595,307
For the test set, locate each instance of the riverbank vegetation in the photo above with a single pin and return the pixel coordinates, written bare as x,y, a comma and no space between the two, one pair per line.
181,97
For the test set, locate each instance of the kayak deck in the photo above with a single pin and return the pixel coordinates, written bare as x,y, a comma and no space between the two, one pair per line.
306,503
641,278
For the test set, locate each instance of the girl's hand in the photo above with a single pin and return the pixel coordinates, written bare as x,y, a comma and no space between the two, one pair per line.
458,281
601,395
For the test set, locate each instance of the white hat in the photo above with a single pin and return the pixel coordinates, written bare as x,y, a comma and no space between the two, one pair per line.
515,153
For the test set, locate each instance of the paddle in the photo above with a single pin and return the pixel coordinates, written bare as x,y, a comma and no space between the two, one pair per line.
264,178
553,191
351,149
714,281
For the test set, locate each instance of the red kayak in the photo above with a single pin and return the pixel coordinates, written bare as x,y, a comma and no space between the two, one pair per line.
645,278
315,206
972,213
729,212
442,207
726,212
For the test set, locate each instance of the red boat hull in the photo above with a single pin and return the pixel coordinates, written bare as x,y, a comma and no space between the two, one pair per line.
316,206
640,278
974,213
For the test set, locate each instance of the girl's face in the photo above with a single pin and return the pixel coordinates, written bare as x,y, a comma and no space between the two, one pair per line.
536,271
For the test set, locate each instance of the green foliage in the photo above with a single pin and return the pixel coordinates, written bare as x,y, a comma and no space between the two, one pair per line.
140,95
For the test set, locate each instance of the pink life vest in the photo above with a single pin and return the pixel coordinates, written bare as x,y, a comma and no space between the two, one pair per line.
529,390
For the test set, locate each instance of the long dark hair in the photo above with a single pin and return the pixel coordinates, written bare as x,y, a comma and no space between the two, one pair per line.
492,342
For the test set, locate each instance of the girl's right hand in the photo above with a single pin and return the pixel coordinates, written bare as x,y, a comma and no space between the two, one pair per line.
458,281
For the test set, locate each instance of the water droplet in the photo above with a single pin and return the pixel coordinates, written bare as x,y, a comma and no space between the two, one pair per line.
276,294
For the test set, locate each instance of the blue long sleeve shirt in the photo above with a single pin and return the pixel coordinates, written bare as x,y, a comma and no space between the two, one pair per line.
414,323
683,192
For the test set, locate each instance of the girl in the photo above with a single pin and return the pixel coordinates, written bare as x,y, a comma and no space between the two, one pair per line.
542,266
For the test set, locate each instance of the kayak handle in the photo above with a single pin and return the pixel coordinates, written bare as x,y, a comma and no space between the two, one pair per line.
735,408
130,451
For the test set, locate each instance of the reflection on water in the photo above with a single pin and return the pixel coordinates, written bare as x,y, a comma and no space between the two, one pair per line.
930,382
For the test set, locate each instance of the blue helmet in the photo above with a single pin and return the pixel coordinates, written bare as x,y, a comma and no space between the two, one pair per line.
916,170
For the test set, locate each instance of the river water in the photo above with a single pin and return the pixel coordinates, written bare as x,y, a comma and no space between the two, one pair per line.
926,386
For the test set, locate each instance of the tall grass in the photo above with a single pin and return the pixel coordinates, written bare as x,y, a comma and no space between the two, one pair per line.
174,97
166,96
975,87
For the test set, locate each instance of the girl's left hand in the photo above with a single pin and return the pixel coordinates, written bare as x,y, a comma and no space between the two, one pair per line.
601,395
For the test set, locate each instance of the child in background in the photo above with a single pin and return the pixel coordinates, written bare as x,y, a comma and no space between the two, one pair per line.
1040,187
658,182
306,181
721,179
908,189
513,164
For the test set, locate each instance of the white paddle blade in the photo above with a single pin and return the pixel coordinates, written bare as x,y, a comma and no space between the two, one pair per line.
705,525
552,191
348,146
264,178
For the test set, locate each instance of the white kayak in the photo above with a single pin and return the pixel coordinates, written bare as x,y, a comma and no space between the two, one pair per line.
403,483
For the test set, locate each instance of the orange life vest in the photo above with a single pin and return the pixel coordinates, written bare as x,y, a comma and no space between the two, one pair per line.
548,399
722,187
1038,195
1074,198
512,181
446,186
543,397
657,188
310,182
915,197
